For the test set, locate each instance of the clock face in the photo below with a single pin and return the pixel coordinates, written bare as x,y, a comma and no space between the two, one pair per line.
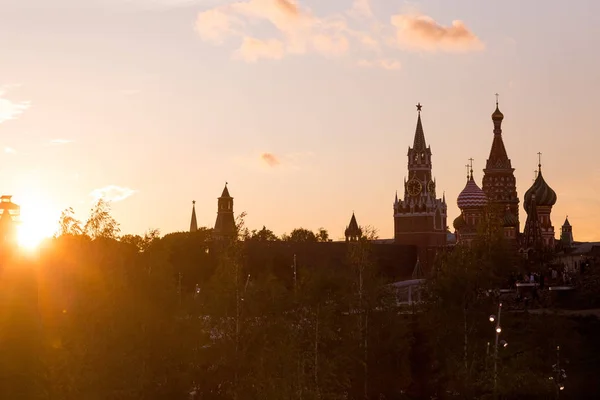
413,187
431,188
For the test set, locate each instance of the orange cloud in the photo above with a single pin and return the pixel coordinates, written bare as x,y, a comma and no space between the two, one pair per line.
380,63
270,159
298,31
424,33
253,49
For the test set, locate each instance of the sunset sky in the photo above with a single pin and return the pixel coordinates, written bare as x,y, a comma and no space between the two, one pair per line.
306,108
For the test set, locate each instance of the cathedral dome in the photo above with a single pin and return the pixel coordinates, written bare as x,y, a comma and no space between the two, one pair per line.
459,222
497,114
509,219
471,196
544,195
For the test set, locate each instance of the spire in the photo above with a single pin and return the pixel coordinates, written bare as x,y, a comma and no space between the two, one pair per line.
417,270
193,222
353,231
225,193
419,142
396,200
567,223
498,157
471,168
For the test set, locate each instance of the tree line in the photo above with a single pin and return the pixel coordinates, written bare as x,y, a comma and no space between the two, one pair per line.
99,315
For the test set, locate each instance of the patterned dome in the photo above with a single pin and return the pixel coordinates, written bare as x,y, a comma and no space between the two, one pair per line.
544,195
509,219
459,222
471,196
497,115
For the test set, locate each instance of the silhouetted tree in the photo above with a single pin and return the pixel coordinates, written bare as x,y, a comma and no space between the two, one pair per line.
100,223
300,235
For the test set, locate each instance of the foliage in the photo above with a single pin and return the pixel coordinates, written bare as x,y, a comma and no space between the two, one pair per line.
101,224
150,317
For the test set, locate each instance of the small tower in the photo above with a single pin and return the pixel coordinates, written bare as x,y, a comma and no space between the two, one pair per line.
225,223
193,222
353,232
566,233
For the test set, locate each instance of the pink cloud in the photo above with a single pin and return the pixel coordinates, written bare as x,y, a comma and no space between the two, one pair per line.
424,33
253,49
270,159
381,63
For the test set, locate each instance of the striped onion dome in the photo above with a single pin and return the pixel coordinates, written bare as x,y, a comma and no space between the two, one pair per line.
509,219
459,222
544,195
471,196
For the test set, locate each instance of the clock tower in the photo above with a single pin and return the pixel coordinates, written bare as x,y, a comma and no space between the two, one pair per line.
420,217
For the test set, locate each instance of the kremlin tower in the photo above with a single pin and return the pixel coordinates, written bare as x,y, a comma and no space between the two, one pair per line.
420,217
225,224
499,183
471,202
353,232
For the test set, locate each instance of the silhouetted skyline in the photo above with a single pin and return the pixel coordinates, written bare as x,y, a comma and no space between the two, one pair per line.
307,110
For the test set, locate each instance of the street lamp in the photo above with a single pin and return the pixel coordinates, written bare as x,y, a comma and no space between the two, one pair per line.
503,343
559,374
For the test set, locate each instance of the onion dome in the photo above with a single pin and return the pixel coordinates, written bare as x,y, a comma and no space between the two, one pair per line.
509,219
459,222
471,196
497,114
544,195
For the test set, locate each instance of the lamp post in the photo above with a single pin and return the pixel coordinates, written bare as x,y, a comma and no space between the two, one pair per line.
559,374
503,343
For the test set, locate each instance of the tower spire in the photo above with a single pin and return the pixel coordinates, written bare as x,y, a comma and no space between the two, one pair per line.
193,222
539,162
419,141
471,165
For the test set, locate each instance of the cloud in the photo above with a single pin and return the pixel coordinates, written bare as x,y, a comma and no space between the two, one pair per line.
274,29
270,159
112,193
422,32
61,141
298,31
380,63
9,150
253,49
361,9
9,109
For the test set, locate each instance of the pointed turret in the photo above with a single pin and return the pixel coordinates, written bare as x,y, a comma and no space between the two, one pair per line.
353,232
419,141
566,233
225,223
193,222
417,270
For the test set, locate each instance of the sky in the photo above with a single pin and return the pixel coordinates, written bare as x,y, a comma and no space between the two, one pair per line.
306,108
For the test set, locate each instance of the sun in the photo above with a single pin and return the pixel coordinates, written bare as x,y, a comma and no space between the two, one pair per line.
37,222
